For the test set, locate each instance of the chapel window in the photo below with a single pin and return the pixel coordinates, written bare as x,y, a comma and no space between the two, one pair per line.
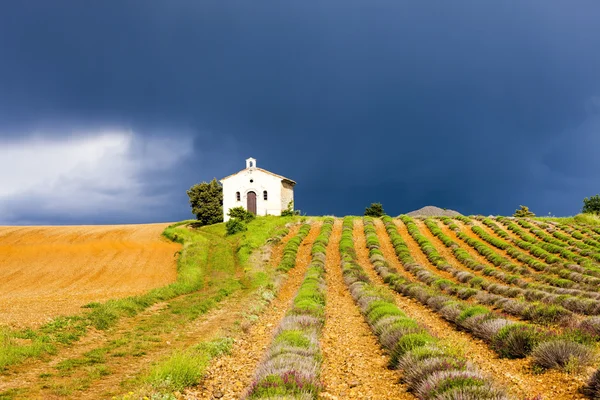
265,196
237,196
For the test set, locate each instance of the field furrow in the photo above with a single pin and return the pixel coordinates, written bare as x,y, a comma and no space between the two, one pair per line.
354,364
419,256
230,375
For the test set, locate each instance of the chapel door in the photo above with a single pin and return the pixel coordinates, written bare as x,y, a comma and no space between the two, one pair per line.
251,205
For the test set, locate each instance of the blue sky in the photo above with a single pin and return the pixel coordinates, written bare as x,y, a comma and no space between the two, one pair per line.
110,110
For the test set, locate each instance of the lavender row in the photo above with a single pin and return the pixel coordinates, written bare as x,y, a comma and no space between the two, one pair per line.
429,370
291,367
507,338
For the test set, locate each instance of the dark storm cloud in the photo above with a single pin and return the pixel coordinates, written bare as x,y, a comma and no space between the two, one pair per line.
476,106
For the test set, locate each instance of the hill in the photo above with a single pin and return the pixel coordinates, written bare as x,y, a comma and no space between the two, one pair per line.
433,211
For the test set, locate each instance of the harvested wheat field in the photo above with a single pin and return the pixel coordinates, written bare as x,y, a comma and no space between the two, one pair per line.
51,271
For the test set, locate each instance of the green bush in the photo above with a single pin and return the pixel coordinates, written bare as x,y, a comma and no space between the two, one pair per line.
591,205
523,212
289,211
409,342
374,210
517,340
241,214
234,226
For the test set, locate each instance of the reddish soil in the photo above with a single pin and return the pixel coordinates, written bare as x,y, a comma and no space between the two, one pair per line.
51,271
354,364
229,376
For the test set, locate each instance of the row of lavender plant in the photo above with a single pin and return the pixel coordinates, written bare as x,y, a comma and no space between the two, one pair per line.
565,278
539,248
568,278
288,260
563,286
291,367
508,338
554,245
531,292
590,249
500,296
581,232
538,312
429,370
584,233
573,249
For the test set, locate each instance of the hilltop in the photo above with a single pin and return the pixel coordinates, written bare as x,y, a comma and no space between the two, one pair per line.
433,211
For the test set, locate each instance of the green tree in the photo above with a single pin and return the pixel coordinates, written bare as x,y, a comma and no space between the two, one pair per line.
523,212
591,205
374,210
206,199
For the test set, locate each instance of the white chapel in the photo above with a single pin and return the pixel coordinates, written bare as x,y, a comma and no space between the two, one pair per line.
257,190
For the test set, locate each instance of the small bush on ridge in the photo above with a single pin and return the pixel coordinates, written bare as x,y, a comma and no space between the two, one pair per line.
374,210
234,226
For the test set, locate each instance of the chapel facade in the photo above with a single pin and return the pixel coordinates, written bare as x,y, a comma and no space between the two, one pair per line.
257,190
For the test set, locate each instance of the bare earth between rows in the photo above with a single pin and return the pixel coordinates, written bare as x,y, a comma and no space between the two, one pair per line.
354,364
229,376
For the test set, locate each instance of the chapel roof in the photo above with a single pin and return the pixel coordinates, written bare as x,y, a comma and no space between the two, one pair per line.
283,178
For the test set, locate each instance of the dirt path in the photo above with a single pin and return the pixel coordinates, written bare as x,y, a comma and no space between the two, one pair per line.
354,364
514,375
51,271
230,375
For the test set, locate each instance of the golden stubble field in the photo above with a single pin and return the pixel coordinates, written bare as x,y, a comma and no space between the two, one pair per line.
51,271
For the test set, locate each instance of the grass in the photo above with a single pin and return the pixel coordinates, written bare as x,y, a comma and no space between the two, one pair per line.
185,368
207,258
585,219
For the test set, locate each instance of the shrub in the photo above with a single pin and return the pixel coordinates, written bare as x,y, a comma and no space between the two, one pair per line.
485,392
407,343
445,381
517,340
470,312
234,226
241,213
523,211
488,329
289,211
591,205
383,310
591,325
415,374
374,210
561,354
592,388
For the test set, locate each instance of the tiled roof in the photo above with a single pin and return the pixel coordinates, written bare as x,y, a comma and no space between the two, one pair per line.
283,178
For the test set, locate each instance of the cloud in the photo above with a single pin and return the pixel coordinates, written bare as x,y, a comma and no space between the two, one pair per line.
86,175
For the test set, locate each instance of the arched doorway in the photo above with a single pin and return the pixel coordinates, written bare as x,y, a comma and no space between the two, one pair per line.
251,202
